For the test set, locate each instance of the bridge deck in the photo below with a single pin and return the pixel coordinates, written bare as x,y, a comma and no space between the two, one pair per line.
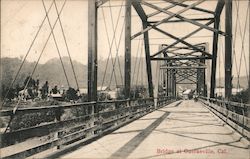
185,130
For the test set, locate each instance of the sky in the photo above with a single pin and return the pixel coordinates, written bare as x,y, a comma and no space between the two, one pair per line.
20,20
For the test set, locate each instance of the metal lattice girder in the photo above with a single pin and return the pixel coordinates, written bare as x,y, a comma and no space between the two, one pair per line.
166,19
183,38
177,15
184,42
180,55
194,8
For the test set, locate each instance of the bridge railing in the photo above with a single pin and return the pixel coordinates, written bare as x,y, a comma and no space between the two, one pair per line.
237,115
53,129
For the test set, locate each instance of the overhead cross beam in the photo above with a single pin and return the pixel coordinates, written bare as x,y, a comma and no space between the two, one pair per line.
184,5
182,41
179,58
183,18
166,19
178,21
166,8
183,38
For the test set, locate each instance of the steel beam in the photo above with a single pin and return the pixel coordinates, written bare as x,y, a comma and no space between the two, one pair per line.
183,18
166,8
101,2
182,41
183,67
127,70
179,58
183,38
181,21
184,5
165,19
144,17
148,62
218,11
139,10
92,51
228,49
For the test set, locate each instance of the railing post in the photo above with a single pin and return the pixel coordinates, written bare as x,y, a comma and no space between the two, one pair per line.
59,134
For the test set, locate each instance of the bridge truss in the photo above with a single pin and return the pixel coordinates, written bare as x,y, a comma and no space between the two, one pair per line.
185,62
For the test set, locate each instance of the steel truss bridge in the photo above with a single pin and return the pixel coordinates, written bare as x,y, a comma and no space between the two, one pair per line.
160,125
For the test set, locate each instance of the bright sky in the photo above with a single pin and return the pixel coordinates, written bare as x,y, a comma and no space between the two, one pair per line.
20,20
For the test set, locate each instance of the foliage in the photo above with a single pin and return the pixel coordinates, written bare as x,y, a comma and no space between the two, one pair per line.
241,97
135,92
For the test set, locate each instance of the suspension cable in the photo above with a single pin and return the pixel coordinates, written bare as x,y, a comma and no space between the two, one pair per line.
112,42
26,85
113,71
57,48
113,28
66,44
26,55
234,44
137,52
243,41
110,49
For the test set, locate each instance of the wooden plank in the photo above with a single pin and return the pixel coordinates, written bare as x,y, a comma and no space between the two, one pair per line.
44,108
11,138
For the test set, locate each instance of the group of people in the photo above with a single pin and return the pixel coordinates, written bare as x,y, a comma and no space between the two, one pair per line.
31,89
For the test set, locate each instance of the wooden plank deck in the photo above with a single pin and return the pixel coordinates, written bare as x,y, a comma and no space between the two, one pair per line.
187,130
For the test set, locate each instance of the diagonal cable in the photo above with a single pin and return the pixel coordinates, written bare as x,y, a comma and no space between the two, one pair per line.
54,38
66,44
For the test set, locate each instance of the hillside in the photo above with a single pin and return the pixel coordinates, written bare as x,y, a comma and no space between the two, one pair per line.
52,72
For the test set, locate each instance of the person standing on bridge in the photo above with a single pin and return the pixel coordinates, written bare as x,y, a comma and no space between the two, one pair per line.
45,90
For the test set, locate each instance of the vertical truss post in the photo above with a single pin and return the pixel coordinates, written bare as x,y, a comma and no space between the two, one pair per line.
228,49
148,61
198,79
167,82
92,50
218,11
174,83
127,70
214,58
171,82
203,80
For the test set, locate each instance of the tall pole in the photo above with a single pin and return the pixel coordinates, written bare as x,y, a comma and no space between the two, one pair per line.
148,61
214,58
127,70
218,11
228,50
92,50
198,79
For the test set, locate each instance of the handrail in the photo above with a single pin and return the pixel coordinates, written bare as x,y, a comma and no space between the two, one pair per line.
93,119
237,115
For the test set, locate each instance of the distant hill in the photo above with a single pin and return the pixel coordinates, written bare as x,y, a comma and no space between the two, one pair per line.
52,72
